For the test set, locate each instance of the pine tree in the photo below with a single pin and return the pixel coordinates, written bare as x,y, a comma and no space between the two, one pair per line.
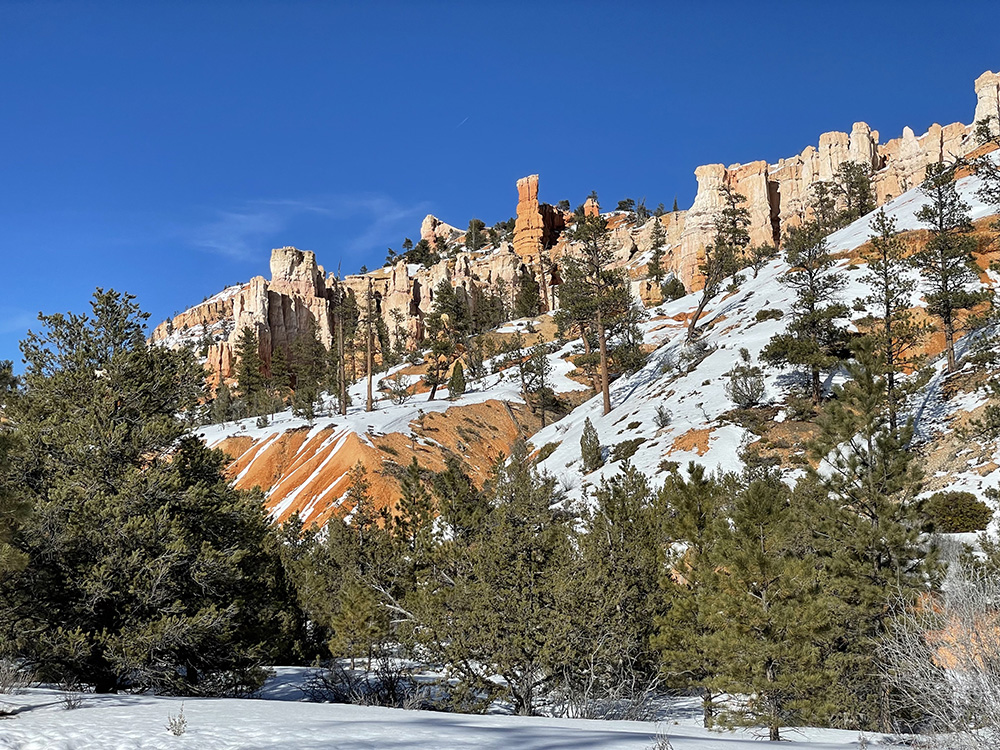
250,383
309,360
852,182
12,503
456,383
590,448
824,208
868,530
503,607
693,509
892,327
945,261
222,404
528,300
281,377
768,613
474,238
535,371
813,338
720,261
145,568
658,240
675,209
617,590
592,290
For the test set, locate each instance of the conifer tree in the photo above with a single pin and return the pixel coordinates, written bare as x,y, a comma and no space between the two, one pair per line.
824,208
528,300
894,331
813,338
12,503
658,239
592,289
870,535
474,238
145,568
504,608
618,590
590,448
222,404
416,509
852,182
456,383
721,257
768,613
693,509
945,261
281,377
461,505
309,359
250,383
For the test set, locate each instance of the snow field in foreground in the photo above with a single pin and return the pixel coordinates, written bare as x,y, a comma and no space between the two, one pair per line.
279,722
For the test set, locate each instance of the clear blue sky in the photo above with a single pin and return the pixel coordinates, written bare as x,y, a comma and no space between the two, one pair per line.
165,148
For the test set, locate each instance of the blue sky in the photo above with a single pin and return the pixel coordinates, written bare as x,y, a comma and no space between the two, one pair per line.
165,148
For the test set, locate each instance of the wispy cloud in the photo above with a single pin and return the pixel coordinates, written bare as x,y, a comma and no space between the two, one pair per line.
358,223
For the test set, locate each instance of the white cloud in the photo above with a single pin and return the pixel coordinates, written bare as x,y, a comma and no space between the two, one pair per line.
366,223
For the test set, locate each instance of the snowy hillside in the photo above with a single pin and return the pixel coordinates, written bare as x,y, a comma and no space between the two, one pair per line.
695,399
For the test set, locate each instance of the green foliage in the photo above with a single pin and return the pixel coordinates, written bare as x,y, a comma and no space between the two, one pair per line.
672,288
475,238
251,388
222,405
626,449
957,512
852,183
722,256
12,502
813,338
746,383
309,360
145,568
945,261
658,241
545,451
528,300
590,448
768,314
456,383
894,332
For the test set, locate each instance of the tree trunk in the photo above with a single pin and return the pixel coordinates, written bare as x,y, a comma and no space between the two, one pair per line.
949,341
603,344
693,325
707,709
816,393
341,373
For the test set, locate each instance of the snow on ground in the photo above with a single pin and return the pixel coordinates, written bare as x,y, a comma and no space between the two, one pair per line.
279,721
696,399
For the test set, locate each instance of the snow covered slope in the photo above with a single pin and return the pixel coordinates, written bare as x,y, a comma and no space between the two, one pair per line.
696,398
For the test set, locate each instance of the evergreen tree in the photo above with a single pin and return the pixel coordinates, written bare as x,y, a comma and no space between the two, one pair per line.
590,448
12,504
768,613
281,377
693,512
414,524
617,591
474,238
894,331
456,383
720,261
945,261
145,568
868,531
222,404
446,327
250,383
461,505
535,371
528,300
591,290
813,338
309,358
824,207
675,209
504,606
853,183
658,240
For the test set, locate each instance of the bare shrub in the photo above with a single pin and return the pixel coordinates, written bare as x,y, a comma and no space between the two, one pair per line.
177,725
944,661
391,684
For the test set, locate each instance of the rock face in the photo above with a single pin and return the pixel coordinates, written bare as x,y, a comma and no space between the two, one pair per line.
778,195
